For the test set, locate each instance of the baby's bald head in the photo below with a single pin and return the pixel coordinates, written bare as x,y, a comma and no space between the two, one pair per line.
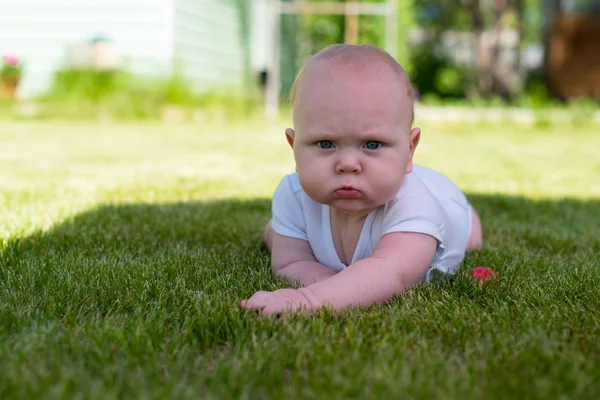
358,61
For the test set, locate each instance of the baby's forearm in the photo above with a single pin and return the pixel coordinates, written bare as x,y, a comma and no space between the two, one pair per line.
305,272
363,283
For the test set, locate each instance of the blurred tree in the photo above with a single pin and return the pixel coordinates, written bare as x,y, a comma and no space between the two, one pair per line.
406,22
428,62
319,31
487,21
305,35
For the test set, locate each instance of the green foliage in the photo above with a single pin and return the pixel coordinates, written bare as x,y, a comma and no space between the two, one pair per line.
442,84
449,81
303,36
406,22
320,31
535,93
438,76
535,96
440,16
176,91
87,84
291,58
87,93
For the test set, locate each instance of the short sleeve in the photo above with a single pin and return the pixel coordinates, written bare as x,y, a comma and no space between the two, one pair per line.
414,212
288,215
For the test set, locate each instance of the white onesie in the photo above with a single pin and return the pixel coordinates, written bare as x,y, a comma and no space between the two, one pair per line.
427,202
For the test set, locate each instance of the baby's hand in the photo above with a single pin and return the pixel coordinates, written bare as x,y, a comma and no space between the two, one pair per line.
276,302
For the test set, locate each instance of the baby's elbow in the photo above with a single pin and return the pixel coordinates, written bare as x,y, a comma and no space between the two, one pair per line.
277,267
276,271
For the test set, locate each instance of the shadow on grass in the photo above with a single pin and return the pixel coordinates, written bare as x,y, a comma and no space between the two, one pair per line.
134,260
124,259
511,225
148,229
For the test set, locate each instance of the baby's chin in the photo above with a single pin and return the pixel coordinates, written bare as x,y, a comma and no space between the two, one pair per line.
353,207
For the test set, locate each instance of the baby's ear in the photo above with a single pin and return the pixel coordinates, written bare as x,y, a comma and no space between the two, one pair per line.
290,135
415,136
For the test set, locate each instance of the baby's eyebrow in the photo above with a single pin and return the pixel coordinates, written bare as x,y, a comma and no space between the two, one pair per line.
322,136
360,137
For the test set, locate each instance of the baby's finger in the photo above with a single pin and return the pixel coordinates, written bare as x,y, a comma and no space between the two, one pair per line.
272,310
258,301
251,305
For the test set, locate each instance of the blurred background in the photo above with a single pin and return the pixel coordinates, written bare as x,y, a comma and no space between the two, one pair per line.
185,59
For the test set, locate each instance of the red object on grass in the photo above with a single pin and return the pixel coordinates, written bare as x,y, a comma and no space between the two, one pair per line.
484,274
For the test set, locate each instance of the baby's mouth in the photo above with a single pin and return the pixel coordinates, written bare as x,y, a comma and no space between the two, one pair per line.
347,192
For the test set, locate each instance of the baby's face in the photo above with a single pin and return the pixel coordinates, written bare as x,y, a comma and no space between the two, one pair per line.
352,141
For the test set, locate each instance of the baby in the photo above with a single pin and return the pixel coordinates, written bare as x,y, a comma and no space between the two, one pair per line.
359,222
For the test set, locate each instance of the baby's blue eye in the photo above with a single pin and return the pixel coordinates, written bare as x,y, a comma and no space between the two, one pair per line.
325,144
373,145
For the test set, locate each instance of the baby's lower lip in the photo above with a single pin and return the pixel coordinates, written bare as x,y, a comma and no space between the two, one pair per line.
347,193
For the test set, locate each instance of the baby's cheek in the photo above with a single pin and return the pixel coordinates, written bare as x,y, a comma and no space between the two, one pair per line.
314,168
313,185
389,185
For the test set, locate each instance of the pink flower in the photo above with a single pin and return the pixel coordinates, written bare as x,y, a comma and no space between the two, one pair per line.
11,59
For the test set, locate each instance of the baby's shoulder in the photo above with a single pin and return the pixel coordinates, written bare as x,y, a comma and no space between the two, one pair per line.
289,186
413,200
412,187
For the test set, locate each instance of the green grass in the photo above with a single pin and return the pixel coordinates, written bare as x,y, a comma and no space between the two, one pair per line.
125,250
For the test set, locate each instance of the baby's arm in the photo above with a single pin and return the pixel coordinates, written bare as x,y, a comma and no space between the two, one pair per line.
398,262
293,260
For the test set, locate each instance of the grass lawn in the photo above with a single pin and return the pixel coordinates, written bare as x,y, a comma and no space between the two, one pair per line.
124,250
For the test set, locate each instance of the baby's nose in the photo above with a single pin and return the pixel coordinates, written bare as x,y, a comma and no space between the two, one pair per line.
348,163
